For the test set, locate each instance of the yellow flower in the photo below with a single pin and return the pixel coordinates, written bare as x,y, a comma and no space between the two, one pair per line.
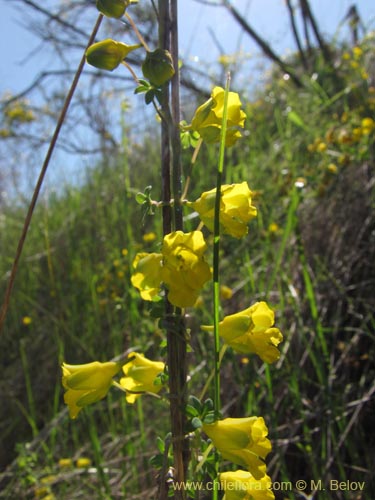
65,462
208,117
243,441
235,208
140,374
26,320
367,125
357,52
86,384
251,331
322,147
51,478
273,228
226,293
332,168
147,276
357,133
41,491
149,237
241,485
184,269
83,462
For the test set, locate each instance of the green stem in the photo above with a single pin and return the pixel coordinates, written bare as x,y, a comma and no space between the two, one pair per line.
216,249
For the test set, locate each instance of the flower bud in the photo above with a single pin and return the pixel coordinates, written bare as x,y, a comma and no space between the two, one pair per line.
108,54
112,8
158,67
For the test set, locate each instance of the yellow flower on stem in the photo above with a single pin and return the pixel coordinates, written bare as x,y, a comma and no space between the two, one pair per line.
243,441
184,269
140,375
236,209
147,276
208,117
367,125
241,485
86,384
252,331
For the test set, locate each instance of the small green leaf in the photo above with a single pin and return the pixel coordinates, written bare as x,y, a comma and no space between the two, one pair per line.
296,119
210,418
193,401
191,411
140,198
196,423
149,96
160,444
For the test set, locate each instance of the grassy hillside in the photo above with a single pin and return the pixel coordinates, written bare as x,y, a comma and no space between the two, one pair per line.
309,155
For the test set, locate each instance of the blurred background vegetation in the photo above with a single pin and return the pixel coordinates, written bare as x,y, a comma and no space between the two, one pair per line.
307,153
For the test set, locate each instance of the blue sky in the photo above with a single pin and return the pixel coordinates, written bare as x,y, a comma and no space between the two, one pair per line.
197,45
268,17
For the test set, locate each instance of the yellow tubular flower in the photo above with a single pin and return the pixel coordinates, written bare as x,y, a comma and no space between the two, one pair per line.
86,384
184,269
236,209
252,331
241,485
147,276
140,374
243,441
208,117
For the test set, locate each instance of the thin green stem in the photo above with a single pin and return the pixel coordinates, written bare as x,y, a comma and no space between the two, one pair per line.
216,249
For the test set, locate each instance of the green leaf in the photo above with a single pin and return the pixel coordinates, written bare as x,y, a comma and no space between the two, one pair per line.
296,119
141,89
196,423
160,444
149,96
191,411
140,198
193,401
210,418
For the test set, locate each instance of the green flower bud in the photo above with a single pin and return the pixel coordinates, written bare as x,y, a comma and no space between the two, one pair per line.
108,54
158,67
112,8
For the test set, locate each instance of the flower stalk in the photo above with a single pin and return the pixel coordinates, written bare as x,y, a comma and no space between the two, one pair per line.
216,260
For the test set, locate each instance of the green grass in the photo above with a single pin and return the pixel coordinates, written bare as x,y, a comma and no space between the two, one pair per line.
316,269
